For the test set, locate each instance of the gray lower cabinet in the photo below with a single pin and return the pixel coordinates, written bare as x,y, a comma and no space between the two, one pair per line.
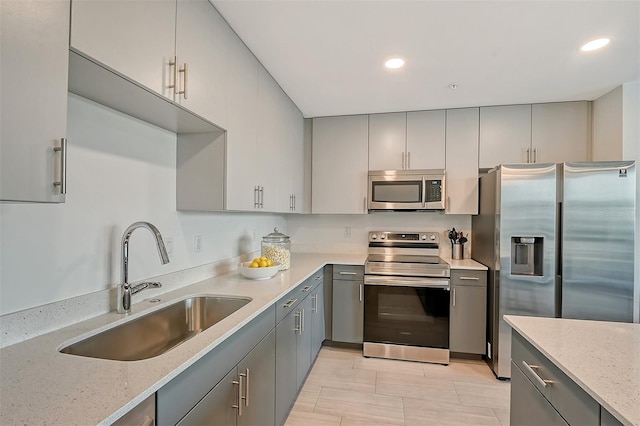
296,343
528,406
348,304
541,393
468,312
182,396
245,396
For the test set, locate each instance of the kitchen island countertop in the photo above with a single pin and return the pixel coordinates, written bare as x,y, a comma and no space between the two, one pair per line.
603,358
40,385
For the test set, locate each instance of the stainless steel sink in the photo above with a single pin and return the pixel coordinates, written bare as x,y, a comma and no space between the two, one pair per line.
156,333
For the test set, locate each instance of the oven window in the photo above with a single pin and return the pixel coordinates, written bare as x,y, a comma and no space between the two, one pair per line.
411,316
397,192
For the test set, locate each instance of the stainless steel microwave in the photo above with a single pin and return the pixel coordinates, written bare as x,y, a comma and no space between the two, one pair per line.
406,190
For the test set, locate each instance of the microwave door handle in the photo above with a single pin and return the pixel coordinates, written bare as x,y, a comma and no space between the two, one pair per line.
424,192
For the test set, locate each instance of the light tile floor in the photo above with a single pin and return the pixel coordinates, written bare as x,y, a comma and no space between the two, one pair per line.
344,388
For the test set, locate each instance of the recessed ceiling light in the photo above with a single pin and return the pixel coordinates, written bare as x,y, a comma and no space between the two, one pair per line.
394,63
454,86
595,44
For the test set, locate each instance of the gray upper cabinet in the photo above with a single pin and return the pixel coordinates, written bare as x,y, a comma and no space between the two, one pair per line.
135,38
388,141
340,165
538,133
242,155
426,139
403,141
34,74
505,135
177,49
462,161
202,45
560,132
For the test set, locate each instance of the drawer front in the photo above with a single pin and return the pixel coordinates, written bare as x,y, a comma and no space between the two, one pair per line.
288,303
573,403
468,277
348,272
528,406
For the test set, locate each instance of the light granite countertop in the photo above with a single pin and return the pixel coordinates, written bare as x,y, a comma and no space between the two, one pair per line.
601,357
39,385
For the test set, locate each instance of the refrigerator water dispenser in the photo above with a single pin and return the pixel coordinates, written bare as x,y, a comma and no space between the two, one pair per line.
526,255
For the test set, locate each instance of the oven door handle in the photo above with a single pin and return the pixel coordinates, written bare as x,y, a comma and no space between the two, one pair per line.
406,282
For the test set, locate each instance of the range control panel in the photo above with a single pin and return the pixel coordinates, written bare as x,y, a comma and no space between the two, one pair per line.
414,237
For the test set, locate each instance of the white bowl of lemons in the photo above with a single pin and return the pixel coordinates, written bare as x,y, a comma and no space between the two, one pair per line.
259,268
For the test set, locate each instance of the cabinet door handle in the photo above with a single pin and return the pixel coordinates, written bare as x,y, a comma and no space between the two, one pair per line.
348,273
532,370
403,160
294,202
173,65
528,155
244,377
261,196
469,279
255,197
289,303
239,405
535,155
185,73
364,204
246,388
360,291
62,183
301,321
314,303
453,298
408,159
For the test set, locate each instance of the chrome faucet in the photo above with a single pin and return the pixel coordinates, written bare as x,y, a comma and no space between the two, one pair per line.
125,290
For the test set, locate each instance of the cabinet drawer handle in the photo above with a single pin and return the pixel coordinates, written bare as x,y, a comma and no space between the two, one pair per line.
469,279
62,183
307,288
532,370
147,421
454,297
360,290
289,303
348,273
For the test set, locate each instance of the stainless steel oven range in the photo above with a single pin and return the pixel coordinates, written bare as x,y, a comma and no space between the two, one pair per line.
406,298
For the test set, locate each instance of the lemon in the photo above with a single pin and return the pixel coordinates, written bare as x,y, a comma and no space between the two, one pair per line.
263,258
269,263
263,263
254,264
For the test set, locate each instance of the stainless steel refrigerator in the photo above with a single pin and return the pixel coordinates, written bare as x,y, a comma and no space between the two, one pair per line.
558,240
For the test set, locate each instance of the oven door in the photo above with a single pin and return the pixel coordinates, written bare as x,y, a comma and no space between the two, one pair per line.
408,311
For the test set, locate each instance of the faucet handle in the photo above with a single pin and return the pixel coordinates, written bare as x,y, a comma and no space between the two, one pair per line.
143,286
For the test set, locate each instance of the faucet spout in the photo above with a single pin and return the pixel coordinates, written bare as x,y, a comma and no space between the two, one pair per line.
124,288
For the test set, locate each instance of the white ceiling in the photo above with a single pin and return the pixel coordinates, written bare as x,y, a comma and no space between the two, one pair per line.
328,55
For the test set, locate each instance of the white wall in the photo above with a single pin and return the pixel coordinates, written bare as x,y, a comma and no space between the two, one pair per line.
607,126
120,170
321,233
631,151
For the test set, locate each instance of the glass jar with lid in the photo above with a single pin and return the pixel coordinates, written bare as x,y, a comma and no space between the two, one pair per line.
277,248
